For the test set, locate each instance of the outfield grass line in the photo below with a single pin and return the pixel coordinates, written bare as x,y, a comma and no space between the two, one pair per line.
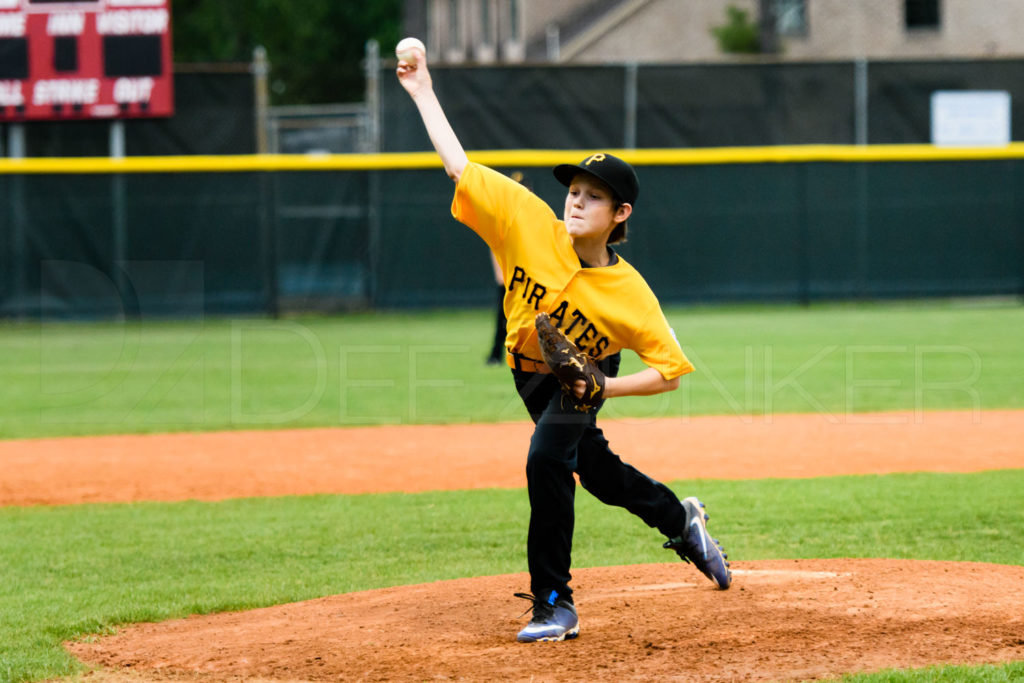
142,377
419,458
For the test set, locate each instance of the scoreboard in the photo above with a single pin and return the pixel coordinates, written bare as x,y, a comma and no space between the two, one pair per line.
85,59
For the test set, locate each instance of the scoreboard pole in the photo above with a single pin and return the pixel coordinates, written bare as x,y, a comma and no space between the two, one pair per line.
116,139
119,220
19,220
16,140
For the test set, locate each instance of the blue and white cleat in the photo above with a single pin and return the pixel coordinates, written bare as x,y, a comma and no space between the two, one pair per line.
694,544
554,619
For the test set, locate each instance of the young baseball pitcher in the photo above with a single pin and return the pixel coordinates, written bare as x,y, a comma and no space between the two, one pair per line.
572,303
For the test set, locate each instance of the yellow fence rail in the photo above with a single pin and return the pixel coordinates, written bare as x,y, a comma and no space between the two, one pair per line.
507,158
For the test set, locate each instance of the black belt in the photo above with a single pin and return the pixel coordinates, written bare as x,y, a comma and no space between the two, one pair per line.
518,361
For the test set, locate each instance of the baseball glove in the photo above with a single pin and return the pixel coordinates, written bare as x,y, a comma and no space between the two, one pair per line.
569,365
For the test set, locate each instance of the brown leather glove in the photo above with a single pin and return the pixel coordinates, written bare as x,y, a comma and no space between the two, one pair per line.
569,364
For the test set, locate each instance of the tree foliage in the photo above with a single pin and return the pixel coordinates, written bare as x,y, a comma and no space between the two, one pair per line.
315,47
739,34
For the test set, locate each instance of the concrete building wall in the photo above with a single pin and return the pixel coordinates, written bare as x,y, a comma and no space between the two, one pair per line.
539,15
659,31
673,31
839,29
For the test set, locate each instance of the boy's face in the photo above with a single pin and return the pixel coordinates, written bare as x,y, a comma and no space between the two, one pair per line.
590,208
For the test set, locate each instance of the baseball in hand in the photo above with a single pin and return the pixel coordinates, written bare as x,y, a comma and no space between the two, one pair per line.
404,49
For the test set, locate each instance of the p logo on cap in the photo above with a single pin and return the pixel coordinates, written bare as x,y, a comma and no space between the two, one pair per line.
613,171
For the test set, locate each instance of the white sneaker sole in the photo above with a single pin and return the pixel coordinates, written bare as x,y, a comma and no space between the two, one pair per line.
568,635
710,546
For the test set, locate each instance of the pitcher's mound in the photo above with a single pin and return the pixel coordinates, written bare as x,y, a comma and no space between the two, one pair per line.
783,619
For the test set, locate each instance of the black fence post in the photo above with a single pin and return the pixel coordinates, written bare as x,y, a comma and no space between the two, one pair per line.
268,235
1016,188
803,233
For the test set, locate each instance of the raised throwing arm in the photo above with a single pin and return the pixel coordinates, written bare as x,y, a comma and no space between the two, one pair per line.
415,78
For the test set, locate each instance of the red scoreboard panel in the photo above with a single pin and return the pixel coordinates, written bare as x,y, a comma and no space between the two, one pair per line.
85,59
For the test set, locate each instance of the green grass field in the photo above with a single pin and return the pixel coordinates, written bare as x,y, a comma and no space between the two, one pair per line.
63,379
75,570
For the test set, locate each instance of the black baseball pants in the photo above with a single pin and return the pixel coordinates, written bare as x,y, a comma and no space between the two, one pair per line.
565,441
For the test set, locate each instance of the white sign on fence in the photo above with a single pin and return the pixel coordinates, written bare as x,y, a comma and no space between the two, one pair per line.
971,117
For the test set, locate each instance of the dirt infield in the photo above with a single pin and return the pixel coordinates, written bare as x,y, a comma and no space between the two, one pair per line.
782,620
789,620
214,466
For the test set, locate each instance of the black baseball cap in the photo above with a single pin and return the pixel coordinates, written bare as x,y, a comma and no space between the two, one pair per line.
613,171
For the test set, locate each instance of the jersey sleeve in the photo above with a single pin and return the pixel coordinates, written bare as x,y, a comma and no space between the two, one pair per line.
656,344
488,202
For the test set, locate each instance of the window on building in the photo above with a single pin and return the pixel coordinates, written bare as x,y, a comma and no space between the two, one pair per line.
790,17
921,13
486,25
513,20
454,32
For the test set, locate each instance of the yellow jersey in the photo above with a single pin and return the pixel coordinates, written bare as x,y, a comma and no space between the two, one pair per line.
603,310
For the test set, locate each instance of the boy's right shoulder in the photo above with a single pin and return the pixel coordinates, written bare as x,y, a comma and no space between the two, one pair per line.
478,176
474,174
